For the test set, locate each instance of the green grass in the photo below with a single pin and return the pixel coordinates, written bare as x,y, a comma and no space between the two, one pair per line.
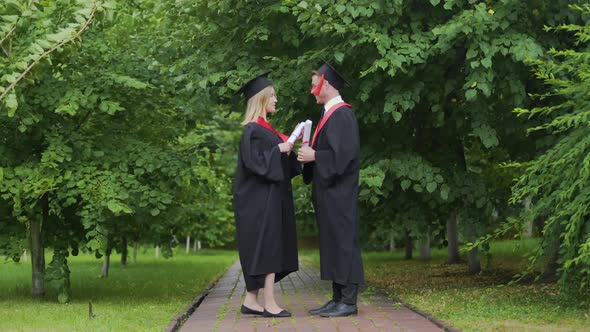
140,297
475,303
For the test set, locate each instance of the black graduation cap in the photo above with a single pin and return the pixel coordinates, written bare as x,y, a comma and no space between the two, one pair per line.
255,85
332,76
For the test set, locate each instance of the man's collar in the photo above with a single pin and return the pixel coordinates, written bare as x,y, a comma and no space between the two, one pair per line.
332,102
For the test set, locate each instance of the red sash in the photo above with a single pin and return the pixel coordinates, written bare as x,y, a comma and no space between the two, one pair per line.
325,118
261,121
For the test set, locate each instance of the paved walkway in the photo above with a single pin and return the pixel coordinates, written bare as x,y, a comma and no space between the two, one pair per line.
298,293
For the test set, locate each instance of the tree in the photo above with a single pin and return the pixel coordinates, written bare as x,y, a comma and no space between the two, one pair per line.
99,140
556,180
432,82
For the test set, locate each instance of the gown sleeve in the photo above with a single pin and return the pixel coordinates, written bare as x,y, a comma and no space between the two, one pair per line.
260,158
294,165
307,173
343,146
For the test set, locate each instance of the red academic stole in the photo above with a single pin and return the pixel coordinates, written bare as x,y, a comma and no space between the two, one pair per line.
267,125
325,118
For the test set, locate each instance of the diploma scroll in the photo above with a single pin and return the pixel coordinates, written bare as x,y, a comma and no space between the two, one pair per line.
295,134
306,133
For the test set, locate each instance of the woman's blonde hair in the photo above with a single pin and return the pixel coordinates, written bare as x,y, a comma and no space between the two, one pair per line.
257,105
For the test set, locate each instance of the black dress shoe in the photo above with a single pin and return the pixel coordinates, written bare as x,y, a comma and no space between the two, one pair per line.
329,305
341,310
247,311
281,314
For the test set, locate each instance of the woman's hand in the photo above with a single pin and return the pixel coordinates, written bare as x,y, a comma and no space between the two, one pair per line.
286,147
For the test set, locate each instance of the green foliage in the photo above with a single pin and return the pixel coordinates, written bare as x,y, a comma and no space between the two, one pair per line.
432,83
101,128
557,179
477,303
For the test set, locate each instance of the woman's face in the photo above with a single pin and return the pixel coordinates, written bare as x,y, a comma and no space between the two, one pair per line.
271,107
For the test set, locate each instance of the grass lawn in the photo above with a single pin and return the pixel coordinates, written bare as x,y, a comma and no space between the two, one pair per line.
475,303
141,297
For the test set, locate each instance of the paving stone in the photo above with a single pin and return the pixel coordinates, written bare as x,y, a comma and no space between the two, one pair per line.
299,292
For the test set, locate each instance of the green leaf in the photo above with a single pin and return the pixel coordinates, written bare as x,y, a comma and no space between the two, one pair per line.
11,103
486,62
374,200
470,94
114,206
396,116
431,187
93,244
406,184
154,212
63,298
434,2
339,56
444,192
438,178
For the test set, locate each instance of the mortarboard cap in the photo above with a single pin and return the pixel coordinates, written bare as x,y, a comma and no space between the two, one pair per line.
255,85
332,76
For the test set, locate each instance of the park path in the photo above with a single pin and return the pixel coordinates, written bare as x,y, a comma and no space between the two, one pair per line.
299,292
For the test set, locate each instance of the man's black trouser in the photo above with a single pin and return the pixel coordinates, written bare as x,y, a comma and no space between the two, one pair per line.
346,294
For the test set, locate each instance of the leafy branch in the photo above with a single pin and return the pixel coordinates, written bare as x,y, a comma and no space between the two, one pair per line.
49,51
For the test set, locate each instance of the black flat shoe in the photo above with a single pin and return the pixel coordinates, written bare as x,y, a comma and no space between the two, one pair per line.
281,314
247,311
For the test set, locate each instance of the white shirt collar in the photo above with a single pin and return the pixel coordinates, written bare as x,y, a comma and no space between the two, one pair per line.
332,102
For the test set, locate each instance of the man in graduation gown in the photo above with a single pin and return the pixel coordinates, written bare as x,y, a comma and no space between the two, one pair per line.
332,165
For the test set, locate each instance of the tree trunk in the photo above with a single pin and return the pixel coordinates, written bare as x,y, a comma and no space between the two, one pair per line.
37,261
105,266
25,256
188,244
124,253
135,249
38,250
425,253
453,238
157,251
199,245
473,261
391,241
195,245
552,253
409,246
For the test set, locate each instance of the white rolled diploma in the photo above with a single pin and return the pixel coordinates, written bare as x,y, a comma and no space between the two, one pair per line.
296,133
306,133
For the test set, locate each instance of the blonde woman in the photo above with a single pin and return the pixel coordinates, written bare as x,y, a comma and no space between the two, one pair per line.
263,201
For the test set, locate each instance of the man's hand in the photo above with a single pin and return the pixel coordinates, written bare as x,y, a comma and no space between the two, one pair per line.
306,155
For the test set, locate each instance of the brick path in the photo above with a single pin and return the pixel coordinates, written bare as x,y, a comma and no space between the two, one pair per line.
299,292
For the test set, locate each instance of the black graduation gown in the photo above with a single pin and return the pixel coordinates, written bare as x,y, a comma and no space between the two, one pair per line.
335,178
263,207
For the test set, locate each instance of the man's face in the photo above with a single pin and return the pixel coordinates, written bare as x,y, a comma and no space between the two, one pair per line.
315,81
